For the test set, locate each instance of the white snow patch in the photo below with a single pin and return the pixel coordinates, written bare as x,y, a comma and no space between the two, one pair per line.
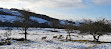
39,20
8,18
62,22
11,12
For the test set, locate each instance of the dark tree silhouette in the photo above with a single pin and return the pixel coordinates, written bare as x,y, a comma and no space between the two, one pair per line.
96,29
24,22
54,24
69,28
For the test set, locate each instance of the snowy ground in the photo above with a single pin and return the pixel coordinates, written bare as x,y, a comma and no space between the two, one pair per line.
35,36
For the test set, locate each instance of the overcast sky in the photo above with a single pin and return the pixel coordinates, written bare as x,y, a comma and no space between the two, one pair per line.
64,9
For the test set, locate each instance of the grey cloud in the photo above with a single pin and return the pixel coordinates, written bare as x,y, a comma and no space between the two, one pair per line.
48,3
56,3
102,2
7,0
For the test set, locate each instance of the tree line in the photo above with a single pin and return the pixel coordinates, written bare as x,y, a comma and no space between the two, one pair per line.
95,28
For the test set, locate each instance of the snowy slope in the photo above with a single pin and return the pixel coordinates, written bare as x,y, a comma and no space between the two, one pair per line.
39,20
11,18
11,12
62,22
8,18
10,15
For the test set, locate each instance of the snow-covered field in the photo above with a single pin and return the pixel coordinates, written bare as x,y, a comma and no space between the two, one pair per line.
36,42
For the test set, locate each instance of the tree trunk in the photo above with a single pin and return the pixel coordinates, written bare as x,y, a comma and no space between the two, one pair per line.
69,37
96,38
25,34
66,37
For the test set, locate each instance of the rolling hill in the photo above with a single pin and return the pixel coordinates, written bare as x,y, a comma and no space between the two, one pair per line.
8,17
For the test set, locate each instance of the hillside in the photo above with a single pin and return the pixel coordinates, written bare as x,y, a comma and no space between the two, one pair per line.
8,17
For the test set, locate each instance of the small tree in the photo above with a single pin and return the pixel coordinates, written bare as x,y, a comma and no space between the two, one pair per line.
96,29
24,21
69,28
54,23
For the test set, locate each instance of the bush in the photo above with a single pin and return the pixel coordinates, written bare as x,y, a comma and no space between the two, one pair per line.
6,42
2,43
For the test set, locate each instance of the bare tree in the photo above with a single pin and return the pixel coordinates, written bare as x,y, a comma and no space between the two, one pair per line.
24,21
69,28
87,21
54,23
96,29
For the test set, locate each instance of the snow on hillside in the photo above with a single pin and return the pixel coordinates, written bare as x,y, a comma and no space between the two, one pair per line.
16,13
11,12
39,20
77,22
62,22
8,18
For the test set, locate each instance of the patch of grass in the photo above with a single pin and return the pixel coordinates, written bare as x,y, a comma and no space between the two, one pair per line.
78,40
99,42
82,40
6,42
